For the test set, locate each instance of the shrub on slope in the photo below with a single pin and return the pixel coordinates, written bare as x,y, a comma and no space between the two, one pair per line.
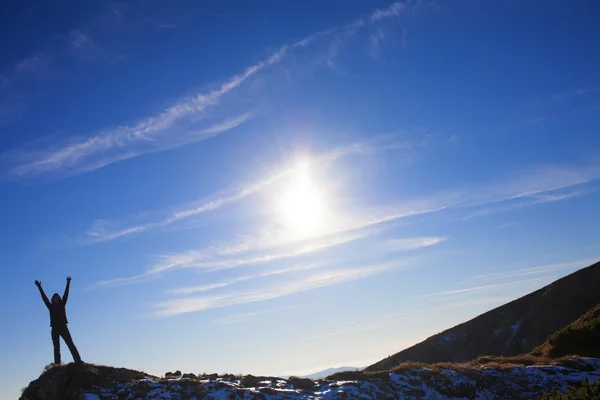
587,391
581,337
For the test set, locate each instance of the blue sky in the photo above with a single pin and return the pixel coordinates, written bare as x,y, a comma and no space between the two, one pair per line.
280,187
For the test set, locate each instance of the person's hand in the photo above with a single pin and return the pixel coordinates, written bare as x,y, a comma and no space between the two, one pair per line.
68,279
38,283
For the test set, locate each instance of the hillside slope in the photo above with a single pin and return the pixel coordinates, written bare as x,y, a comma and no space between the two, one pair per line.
511,329
441,382
581,337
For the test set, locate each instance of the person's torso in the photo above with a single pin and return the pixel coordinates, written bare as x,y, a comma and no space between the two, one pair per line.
58,314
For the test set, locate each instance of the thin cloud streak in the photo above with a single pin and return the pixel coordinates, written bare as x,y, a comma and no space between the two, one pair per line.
98,233
210,286
193,259
154,133
120,281
186,305
220,285
122,143
236,318
407,244
532,270
348,329
462,304
394,10
486,287
538,198
552,178
544,179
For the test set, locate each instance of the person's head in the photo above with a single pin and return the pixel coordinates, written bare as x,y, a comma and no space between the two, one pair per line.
56,298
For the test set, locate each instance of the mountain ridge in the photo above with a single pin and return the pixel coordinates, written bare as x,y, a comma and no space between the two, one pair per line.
513,328
330,371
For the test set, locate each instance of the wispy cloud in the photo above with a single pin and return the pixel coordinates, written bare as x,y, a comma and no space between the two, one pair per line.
366,326
370,222
376,38
403,317
119,281
535,199
203,259
126,142
394,10
152,134
407,244
195,259
34,65
542,269
243,278
207,287
100,232
83,49
242,317
535,182
582,91
193,304
471,302
165,130
488,287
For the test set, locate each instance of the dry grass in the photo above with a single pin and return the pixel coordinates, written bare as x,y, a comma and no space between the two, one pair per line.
468,368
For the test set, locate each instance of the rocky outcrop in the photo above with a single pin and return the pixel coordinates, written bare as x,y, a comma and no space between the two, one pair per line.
443,382
66,382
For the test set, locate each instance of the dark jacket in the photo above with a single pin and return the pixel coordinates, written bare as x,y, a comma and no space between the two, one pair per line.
58,312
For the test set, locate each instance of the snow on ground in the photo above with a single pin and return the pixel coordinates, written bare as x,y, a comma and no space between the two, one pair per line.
513,331
410,383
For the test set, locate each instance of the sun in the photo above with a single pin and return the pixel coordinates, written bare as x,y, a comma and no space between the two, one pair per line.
302,204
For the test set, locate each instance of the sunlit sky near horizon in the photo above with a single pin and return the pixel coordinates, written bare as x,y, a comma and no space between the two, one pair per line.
279,187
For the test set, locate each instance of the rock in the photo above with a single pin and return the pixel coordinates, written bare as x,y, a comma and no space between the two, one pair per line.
212,377
250,381
171,375
189,376
49,386
124,375
199,391
508,382
268,390
302,383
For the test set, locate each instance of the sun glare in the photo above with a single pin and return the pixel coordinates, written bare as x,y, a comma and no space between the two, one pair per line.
302,205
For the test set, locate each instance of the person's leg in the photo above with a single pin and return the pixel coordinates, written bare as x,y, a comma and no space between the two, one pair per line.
56,344
66,335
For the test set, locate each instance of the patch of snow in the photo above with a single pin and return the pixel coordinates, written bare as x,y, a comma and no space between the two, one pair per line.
510,382
514,328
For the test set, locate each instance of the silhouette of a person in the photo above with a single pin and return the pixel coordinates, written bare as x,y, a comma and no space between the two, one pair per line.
58,322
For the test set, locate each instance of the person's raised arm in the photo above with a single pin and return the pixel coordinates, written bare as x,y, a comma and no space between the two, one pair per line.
44,297
66,295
